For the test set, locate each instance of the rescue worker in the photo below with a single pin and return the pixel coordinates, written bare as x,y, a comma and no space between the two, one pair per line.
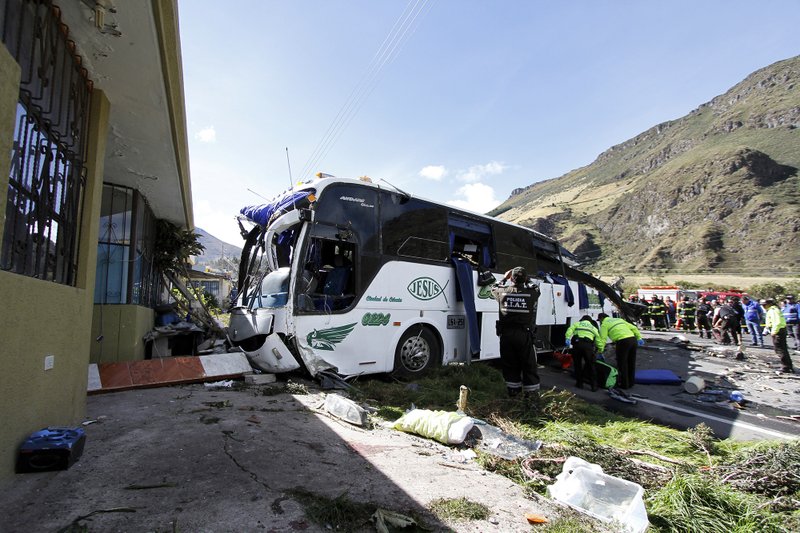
728,321
687,312
702,318
516,329
776,325
583,338
658,314
626,338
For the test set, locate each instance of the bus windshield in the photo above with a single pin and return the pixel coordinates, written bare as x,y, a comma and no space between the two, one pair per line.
274,289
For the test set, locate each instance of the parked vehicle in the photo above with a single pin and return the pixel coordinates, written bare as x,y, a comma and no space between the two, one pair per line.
353,277
721,295
646,292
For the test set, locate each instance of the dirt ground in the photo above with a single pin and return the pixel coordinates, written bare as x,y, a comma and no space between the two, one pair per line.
193,459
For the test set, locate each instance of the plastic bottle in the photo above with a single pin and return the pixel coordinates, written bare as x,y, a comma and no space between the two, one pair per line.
736,396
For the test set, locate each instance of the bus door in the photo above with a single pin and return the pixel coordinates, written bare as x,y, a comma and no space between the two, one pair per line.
471,248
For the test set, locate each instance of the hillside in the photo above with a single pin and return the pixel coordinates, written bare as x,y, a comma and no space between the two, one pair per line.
715,191
215,250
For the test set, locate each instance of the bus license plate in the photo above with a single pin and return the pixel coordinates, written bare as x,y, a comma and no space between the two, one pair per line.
456,321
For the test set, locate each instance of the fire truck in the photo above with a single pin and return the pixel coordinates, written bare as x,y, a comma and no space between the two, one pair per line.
646,292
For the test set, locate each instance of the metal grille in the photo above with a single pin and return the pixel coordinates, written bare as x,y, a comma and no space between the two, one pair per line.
48,173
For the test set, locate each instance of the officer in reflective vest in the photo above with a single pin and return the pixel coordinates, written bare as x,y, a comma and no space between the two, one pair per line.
626,338
776,325
516,329
583,338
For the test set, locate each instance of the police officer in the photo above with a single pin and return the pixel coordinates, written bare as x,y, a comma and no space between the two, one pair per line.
516,328
583,338
776,325
791,314
626,338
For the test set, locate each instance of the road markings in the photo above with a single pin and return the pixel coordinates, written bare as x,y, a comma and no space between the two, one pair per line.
743,425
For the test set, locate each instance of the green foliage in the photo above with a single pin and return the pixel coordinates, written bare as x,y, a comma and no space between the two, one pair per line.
683,472
767,290
698,504
683,284
174,246
793,287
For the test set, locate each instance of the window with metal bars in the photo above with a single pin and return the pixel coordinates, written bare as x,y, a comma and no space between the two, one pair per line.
47,178
126,273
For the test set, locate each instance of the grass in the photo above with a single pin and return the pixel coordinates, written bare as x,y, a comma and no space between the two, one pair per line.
693,482
459,509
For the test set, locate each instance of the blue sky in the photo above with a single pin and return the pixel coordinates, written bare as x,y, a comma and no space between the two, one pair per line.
472,98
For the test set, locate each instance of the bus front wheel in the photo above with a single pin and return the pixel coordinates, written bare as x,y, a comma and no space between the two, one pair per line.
417,351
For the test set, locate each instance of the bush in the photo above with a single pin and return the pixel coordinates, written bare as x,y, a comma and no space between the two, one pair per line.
767,290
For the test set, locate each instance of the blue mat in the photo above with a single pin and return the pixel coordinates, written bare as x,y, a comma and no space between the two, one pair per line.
657,376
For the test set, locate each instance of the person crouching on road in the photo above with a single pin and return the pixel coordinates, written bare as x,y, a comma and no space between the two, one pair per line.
776,324
583,338
626,338
516,329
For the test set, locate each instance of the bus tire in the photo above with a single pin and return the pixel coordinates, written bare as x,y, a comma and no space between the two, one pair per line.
417,351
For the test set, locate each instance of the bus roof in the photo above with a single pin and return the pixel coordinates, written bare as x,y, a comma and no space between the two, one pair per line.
260,213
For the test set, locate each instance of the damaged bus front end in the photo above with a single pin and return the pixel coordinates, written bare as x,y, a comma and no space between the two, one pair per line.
261,323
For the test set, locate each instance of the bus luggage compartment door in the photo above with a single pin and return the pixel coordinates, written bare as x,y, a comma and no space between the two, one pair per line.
490,342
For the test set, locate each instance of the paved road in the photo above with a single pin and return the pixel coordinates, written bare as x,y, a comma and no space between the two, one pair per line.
768,394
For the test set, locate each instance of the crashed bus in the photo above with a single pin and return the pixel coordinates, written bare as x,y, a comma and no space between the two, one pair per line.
354,277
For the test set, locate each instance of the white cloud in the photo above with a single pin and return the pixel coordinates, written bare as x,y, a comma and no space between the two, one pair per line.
433,172
478,172
478,197
206,135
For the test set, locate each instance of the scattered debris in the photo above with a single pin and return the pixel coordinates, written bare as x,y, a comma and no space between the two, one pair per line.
76,526
499,443
535,518
259,379
383,519
226,384
463,456
52,448
584,487
621,396
443,426
463,395
163,485
218,405
345,409
694,385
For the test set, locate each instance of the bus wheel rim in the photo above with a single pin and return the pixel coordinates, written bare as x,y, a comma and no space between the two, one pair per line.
415,353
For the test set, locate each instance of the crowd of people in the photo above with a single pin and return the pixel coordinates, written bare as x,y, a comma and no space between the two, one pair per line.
726,321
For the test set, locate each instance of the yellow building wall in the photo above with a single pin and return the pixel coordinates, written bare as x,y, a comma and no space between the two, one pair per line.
121,328
42,319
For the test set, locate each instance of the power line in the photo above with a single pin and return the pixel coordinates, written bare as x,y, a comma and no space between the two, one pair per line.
401,31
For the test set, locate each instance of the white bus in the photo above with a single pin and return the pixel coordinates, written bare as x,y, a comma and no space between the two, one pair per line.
349,276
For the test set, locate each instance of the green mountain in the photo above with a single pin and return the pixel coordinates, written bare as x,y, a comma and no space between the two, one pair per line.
715,191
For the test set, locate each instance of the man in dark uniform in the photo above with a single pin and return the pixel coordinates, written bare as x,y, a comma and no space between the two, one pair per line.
516,329
702,312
